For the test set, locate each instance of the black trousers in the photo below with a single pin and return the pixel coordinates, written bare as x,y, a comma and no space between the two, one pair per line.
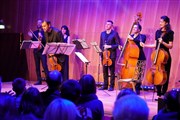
65,69
162,89
39,57
65,66
106,70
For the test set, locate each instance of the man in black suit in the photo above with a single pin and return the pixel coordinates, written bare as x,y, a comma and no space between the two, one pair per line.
109,41
53,35
38,35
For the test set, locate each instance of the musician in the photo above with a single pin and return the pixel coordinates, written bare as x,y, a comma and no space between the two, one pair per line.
109,40
137,37
35,36
52,35
64,59
165,36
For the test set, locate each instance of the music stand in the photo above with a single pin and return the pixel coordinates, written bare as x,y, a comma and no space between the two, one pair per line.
58,48
80,43
30,44
99,51
83,59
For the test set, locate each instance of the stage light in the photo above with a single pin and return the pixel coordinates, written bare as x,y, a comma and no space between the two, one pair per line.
176,89
2,26
147,87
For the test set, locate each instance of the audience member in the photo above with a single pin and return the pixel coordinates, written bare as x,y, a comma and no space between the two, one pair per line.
130,107
171,108
125,91
53,92
31,104
61,109
89,98
8,109
18,86
71,90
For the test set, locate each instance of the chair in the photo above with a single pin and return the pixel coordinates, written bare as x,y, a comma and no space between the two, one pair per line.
127,80
138,76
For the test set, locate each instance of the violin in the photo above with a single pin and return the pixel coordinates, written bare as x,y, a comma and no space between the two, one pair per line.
156,74
106,58
53,63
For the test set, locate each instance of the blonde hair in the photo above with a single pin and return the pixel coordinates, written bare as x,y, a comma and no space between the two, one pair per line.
61,109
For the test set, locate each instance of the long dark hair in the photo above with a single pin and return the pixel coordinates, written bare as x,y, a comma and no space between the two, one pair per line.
167,20
88,84
31,102
67,30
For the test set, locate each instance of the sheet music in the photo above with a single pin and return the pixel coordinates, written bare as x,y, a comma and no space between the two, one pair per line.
58,48
81,56
29,44
83,43
96,47
80,43
35,44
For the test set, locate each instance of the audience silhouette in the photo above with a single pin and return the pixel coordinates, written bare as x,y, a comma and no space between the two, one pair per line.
61,109
130,107
89,98
53,92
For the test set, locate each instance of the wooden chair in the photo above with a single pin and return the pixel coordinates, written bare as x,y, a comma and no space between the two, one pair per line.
139,71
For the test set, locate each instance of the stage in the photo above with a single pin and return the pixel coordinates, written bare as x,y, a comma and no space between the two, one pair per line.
105,96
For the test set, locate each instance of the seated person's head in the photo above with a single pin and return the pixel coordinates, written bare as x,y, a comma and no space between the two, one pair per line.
88,84
8,109
130,107
54,79
126,91
71,90
61,109
31,102
171,100
19,85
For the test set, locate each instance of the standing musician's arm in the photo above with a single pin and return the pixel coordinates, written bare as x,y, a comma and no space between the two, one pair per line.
168,45
117,40
148,45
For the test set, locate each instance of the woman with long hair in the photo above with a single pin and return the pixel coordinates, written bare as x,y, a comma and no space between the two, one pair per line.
165,36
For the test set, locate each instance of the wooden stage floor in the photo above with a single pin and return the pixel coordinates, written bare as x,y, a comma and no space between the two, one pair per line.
107,97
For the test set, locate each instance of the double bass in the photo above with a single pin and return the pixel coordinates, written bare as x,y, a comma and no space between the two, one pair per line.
130,53
156,74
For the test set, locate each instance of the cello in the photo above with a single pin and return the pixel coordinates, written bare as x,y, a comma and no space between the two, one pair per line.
156,74
53,63
130,53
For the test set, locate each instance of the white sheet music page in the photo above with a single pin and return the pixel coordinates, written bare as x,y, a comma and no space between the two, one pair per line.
59,48
35,44
81,56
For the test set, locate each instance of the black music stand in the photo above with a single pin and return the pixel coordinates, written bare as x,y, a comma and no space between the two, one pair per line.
99,51
83,59
58,48
80,43
26,44
29,44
